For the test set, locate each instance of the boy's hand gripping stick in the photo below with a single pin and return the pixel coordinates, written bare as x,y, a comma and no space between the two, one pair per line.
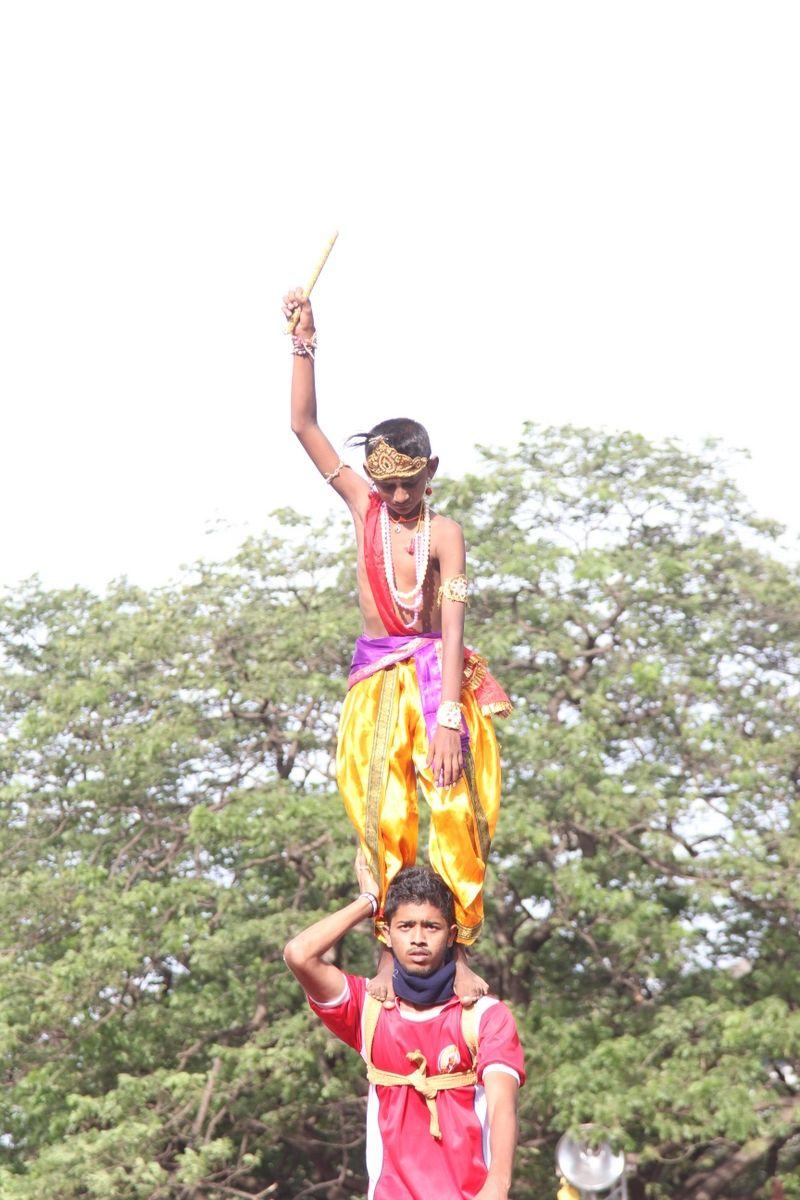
291,324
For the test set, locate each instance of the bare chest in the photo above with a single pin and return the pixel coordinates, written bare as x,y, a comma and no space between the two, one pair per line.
400,554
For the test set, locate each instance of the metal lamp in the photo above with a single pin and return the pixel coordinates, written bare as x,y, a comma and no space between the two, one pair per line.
590,1171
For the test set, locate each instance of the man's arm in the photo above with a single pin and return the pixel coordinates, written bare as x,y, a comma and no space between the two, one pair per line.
320,980
444,756
501,1098
350,486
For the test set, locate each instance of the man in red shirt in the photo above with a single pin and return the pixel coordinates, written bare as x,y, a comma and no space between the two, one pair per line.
435,1136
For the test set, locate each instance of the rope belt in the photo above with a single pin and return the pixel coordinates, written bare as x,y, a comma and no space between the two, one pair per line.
427,1085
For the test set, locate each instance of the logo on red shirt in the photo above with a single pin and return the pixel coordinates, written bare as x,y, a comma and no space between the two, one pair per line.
449,1059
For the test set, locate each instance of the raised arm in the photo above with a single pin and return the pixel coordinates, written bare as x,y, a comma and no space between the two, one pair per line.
305,954
350,486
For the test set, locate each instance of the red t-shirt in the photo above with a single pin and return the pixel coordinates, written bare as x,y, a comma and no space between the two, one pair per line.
404,1161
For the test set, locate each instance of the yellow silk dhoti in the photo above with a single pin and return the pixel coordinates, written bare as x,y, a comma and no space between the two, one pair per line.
381,764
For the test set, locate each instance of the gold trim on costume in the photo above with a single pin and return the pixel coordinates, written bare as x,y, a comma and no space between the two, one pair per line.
466,935
481,824
476,669
377,774
384,462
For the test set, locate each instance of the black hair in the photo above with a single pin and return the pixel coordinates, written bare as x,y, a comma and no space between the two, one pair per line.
403,434
419,885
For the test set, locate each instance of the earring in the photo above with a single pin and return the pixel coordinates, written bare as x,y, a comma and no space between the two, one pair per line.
429,490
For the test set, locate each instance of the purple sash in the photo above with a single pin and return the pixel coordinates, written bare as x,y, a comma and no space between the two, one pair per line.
375,654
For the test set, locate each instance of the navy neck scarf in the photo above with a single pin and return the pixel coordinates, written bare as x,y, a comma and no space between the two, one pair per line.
425,990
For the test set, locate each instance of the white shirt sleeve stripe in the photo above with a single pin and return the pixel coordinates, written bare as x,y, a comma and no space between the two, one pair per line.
501,1067
333,1003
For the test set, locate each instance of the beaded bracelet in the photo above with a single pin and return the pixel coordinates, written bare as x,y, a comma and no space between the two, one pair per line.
448,714
304,349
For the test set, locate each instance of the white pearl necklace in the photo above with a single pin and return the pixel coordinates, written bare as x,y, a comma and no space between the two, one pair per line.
410,601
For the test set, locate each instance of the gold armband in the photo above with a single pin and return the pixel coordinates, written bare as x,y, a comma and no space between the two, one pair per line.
456,588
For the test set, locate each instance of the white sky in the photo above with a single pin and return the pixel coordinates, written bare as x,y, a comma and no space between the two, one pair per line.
579,212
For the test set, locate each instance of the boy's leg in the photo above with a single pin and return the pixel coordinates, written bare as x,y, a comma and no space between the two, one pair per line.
375,771
463,819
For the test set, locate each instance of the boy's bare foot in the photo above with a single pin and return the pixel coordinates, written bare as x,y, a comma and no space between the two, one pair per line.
380,988
468,986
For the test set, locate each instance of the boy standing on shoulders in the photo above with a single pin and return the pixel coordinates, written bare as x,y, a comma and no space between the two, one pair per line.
441,1112
418,710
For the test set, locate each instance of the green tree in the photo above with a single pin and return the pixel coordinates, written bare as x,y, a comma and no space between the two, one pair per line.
170,819
646,892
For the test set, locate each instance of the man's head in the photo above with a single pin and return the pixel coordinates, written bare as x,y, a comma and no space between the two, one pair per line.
420,918
398,461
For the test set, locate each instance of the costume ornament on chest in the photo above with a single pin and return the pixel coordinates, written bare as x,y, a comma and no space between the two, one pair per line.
408,602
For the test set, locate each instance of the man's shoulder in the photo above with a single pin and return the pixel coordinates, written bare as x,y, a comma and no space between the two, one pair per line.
353,991
499,1047
492,1013
446,526
447,536
484,1003
342,1014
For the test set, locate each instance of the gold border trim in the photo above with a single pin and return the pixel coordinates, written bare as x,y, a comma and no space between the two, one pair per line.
377,773
478,815
467,934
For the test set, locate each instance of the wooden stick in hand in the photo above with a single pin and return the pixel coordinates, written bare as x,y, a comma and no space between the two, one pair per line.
295,317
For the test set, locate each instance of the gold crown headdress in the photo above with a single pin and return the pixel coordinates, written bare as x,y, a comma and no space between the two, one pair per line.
384,462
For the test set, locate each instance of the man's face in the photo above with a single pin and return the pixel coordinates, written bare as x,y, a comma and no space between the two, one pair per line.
420,937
